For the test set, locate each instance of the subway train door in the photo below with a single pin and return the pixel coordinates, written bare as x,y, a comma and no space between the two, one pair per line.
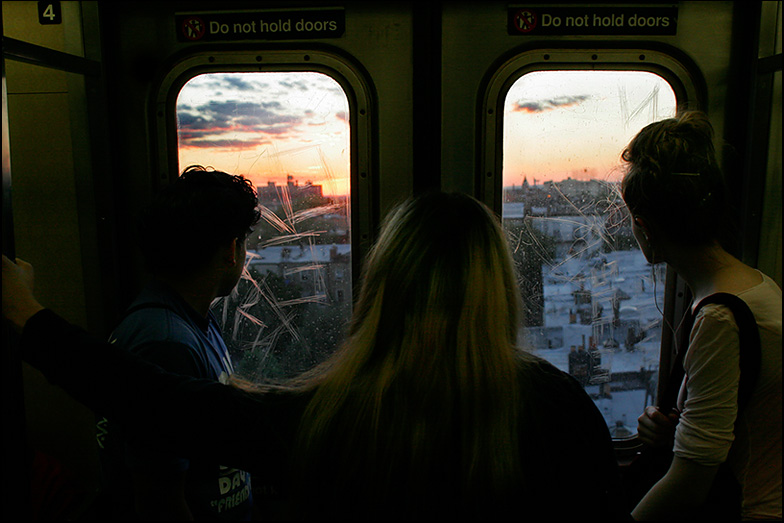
150,56
533,121
52,141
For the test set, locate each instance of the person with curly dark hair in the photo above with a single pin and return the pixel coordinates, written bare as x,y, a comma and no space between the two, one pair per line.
192,238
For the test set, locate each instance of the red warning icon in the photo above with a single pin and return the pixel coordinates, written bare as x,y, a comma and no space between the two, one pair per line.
525,21
193,28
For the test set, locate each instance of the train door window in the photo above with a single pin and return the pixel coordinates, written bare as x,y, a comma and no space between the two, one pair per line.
289,133
593,302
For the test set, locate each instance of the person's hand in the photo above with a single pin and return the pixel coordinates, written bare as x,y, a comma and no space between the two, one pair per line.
19,302
655,428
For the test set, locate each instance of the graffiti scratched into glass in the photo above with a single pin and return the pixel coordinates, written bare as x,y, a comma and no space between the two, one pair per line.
288,133
593,302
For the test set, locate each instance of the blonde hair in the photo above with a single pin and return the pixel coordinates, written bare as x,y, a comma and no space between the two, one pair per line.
428,376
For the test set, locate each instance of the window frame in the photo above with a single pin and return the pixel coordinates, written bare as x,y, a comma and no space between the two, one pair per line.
362,120
689,87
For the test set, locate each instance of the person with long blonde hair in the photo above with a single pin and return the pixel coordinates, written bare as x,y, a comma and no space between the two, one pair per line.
429,410
426,383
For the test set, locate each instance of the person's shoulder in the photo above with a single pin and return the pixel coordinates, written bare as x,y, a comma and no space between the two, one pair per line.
532,364
764,300
153,322
558,411
535,364
715,315
547,380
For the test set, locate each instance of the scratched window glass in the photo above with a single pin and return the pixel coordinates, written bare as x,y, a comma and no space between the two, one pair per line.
287,132
593,302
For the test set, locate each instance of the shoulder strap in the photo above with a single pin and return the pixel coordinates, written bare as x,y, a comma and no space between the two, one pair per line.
749,346
749,341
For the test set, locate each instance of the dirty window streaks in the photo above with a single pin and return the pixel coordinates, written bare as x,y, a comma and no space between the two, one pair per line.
590,296
288,133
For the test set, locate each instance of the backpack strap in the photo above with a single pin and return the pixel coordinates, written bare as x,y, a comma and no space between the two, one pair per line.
749,342
750,354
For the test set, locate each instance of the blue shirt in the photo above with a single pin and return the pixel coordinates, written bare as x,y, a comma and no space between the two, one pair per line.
161,327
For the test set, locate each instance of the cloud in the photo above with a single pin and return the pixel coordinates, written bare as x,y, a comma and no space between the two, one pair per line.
193,123
206,143
248,114
230,82
219,117
236,83
296,84
229,110
540,106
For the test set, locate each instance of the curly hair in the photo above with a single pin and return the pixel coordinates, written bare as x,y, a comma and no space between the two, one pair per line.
189,219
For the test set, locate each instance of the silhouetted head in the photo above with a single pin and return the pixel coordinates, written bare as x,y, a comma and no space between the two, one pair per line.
426,384
192,217
441,270
674,181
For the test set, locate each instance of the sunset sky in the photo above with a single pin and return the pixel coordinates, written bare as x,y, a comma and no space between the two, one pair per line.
557,124
267,126
560,124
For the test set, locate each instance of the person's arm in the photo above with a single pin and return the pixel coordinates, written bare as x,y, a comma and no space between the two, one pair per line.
157,498
19,303
704,431
255,432
684,487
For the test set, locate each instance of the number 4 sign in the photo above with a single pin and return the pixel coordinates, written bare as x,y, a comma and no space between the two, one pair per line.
49,13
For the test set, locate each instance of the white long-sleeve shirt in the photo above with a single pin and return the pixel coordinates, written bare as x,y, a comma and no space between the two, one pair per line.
707,433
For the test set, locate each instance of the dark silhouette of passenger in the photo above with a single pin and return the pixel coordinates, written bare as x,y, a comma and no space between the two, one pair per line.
192,237
429,410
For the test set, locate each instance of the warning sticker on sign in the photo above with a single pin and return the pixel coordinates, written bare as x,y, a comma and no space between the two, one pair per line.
261,25
539,21
525,21
193,28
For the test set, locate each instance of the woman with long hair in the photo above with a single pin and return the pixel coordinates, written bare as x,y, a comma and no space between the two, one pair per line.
425,386
676,194
428,410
